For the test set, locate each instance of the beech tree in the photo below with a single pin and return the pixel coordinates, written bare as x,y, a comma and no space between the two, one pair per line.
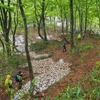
14,25
5,21
26,46
98,11
71,23
63,12
40,17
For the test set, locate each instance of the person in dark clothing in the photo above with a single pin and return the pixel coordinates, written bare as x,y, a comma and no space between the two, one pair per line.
19,78
64,46
83,35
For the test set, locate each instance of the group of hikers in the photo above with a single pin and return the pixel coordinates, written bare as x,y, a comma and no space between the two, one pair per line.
18,77
79,37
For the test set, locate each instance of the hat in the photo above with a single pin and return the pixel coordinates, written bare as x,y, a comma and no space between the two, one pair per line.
19,72
8,76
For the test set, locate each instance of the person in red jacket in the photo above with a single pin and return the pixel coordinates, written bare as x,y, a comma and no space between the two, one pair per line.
89,33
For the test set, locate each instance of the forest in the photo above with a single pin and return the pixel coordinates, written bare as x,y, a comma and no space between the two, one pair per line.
49,50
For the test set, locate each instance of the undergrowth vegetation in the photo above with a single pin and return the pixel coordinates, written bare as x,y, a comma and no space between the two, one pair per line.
96,36
15,60
82,47
82,92
41,45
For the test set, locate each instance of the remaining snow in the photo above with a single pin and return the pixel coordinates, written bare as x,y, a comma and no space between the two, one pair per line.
48,71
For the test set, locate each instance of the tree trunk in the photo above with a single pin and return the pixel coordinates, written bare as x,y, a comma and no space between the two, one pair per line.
15,27
66,20
5,20
62,25
75,19
38,20
39,28
86,17
2,45
80,20
54,24
66,25
71,23
26,47
43,19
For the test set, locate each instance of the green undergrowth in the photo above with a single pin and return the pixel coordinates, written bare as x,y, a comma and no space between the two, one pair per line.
87,89
97,36
79,91
16,60
41,45
83,56
82,47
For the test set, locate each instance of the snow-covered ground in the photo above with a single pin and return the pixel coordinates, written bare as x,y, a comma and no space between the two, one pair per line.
48,71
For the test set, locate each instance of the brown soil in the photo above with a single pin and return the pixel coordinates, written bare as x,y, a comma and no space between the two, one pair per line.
79,69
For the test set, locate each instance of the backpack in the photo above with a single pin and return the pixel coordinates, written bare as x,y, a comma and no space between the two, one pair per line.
16,77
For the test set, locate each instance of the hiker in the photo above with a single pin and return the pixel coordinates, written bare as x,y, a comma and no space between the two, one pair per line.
8,84
19,78
79,37
83,35
89,33
64,46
